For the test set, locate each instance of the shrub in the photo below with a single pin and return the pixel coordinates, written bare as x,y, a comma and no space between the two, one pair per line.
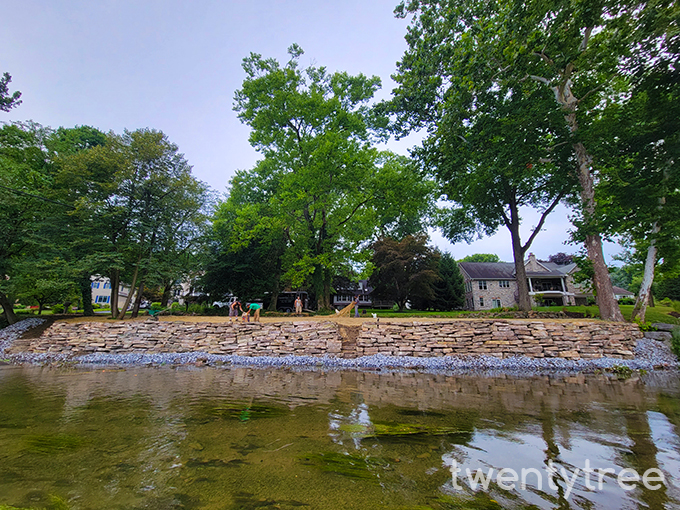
156,306
676,306
58,309
666,302
627,301
196,308
675,340
645,326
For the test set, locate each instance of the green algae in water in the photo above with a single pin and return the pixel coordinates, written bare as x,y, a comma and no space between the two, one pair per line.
56,503
241,412
48,444
382,429
347,465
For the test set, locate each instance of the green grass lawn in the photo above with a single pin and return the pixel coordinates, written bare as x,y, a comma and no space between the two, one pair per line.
655,314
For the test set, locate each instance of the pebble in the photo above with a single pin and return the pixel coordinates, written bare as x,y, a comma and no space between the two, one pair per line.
649,355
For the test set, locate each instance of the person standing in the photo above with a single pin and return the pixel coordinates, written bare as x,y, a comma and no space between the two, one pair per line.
234,308
298,306
356,306
254,308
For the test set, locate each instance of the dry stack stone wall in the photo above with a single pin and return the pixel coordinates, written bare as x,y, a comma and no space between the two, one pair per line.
500,338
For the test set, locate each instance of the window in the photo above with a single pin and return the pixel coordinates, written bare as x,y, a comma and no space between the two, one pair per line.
504,284
482,284
95,285
481,301
102,299
107,285
495,303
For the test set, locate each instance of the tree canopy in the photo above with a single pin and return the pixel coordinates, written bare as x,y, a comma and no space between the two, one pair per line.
321,187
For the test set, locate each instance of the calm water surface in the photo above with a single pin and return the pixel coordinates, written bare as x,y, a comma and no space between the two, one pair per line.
257,439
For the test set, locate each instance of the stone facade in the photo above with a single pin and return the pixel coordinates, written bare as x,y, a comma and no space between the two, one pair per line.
500,338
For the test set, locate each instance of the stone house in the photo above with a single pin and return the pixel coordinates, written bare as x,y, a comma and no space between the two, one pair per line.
491,285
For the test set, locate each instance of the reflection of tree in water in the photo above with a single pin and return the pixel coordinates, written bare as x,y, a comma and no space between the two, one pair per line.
354,426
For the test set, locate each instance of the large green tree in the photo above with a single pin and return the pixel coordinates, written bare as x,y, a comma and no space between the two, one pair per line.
570,49
493,140
640,184
404,270
321,183
25,188
138,206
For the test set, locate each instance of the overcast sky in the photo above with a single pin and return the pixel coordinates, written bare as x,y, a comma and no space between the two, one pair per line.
174,66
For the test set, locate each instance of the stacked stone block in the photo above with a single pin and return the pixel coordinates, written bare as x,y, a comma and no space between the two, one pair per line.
500,338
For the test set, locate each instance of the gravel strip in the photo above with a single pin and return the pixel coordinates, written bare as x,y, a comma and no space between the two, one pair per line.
650,355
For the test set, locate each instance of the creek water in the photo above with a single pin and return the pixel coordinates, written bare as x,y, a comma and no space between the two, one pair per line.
248,438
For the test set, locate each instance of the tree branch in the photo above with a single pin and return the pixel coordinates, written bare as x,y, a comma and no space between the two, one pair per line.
545,214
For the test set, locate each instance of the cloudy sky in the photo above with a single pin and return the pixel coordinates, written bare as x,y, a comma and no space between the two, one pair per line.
174,66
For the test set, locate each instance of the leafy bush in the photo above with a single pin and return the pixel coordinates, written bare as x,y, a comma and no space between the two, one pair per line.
645,326
665,302
58,308
156,306
675,340
627,301
676,306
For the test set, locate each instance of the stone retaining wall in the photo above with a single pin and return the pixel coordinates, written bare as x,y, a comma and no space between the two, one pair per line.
500,338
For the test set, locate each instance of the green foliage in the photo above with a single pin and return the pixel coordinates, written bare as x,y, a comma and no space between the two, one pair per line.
645,326
7,100
481,257
675,340
321,191
156,306
406,269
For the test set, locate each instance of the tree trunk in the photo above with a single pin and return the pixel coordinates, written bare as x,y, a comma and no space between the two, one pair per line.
86,293
523,298
138,299
644,295
165,297
609,307
115,284
8,309
133,286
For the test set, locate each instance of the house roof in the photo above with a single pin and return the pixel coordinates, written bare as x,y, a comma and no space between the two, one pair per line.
618,291
488,270
564,269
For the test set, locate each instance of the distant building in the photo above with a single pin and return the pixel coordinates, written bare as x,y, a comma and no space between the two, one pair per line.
490,285
345,295
101,291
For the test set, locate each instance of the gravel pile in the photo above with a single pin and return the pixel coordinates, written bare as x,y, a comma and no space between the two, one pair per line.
650,355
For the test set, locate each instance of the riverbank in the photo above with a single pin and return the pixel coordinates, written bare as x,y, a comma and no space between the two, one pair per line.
647,355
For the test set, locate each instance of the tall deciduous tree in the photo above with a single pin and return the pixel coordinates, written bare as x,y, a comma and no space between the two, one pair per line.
570,48
404,270
494,140
321,182
25,185
640,187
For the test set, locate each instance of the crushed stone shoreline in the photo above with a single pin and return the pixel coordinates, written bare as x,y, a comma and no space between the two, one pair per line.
650,355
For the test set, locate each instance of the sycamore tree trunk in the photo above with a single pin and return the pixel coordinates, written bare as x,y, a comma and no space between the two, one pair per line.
644,295
609,307
8,309
133,286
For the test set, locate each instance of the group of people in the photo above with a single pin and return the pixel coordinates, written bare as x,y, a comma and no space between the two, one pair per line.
235,308
253,308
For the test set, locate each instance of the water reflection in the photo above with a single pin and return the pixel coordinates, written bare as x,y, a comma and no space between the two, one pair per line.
249,438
